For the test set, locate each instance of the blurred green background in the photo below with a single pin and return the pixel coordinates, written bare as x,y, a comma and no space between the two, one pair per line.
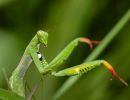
65,20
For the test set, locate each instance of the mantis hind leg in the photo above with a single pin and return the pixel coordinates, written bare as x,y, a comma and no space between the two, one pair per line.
85,67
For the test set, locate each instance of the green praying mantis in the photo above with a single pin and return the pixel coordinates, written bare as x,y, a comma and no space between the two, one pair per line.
16,81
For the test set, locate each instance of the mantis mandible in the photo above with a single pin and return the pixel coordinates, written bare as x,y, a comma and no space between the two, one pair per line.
32,54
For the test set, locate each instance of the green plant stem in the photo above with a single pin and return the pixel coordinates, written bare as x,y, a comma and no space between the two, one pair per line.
98,50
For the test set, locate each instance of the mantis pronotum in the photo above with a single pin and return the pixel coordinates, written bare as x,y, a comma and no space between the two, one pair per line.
32,54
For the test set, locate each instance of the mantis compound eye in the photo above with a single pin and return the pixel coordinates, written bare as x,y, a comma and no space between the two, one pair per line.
39,56
42,37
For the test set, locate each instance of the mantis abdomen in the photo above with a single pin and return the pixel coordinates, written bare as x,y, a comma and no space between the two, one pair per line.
16,81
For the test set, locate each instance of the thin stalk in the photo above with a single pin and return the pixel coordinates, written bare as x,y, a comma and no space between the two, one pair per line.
97,51
33,91
6,78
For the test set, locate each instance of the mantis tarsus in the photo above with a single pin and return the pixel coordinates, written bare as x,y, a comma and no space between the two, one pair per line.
32,54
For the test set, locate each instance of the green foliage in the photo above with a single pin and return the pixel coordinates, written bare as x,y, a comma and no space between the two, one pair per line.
7,95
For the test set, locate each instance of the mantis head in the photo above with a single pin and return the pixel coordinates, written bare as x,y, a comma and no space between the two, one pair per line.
42,37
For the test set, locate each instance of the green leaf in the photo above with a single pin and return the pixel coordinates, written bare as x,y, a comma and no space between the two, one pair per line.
8,95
